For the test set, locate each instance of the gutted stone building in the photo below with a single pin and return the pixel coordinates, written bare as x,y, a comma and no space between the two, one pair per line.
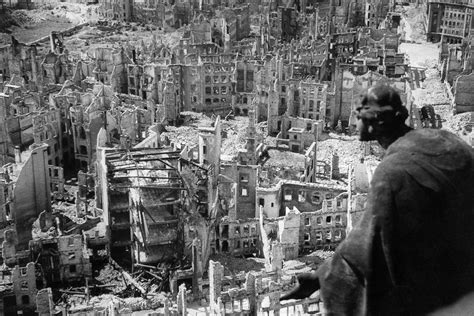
27,182
306,197
449,21
63,259
154,196
18,290
100,107
122,10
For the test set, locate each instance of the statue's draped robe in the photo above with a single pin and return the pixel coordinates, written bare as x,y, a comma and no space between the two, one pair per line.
413,249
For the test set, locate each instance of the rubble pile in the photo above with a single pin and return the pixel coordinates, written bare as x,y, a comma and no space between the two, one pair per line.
348,148
235,265
185,135
70,12
156,279
30,25
424,55
321,254
460,124
76,13
111,277
285,159
117,34
7,20
235,132
25,17
414,17
132,303
434,90
152,302
433,93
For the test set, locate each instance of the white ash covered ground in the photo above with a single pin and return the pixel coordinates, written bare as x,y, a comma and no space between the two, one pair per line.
30,25
349,148
420,53
234,132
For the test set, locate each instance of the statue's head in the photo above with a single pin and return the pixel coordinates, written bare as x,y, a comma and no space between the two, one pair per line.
381,112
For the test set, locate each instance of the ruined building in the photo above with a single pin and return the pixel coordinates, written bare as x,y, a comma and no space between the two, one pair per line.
150,193
449,21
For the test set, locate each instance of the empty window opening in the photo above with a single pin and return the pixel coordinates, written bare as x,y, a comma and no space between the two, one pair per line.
225,246
253,230
316,198
244,178
83,150
225,231
301,196
72,268
328,220
328,236
319,236
307,238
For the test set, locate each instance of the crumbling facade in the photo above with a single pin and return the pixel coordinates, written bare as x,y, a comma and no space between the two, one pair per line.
18,290
449,21
137,219
63,259
30,192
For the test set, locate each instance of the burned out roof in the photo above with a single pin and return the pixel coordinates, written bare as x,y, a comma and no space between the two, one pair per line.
143,167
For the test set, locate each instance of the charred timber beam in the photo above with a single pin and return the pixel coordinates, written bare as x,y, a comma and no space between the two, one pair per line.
135,167
147,177
193,163
128,186
127,276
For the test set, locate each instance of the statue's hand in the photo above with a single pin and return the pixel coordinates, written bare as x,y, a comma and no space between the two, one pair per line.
308,283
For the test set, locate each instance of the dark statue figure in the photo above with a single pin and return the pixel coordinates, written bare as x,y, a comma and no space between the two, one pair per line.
411,253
